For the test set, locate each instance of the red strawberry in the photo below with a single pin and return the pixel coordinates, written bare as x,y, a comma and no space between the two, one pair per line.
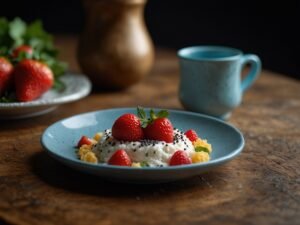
192,135
127,128
32,79
161,129
120,158
6,69
179,158
22,48
157,127
84,140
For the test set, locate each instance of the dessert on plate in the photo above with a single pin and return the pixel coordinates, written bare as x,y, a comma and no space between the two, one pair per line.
139,141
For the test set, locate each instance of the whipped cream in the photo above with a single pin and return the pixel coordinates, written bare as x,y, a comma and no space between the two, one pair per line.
154,153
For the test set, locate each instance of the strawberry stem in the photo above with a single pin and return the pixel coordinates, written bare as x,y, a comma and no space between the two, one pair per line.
146,121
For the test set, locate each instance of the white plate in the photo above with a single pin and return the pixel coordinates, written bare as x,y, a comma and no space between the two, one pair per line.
77,87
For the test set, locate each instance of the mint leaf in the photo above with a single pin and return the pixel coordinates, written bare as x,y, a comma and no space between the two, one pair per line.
142,116
144,164
201,149
162,114
152,116
141,112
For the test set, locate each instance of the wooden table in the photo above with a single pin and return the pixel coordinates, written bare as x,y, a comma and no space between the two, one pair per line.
261,186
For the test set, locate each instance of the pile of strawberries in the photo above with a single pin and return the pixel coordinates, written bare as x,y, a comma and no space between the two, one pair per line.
28,79
130,127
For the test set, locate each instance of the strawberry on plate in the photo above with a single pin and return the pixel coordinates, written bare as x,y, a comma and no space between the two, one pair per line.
120,158
179,158
127,128
160,129
32,79
84,140
6,69
158,126
22,48
191,135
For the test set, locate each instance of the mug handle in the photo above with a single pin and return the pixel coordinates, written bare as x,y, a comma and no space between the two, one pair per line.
255,69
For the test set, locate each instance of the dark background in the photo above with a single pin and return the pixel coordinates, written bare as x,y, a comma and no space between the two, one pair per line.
267,28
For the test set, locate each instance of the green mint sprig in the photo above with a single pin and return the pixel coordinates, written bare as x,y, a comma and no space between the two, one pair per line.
201,149
145,121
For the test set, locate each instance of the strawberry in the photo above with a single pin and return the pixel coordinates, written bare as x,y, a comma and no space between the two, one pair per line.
120,158
22,48
160,129
84,140
6,69
127,128
179,158
32,79
157,127
192,135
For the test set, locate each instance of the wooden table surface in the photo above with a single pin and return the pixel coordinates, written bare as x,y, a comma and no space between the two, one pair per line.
261,186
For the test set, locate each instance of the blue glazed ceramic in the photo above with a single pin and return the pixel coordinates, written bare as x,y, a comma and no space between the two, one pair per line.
60,139
210,78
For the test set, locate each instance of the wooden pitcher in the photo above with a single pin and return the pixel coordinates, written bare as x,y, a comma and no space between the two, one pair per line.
115,49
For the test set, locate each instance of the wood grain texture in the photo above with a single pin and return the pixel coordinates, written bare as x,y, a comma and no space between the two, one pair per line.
261,186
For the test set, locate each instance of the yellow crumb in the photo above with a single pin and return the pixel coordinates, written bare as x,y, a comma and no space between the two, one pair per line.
93,141
89,157
199,157
202,143
98,136
83,150
138,165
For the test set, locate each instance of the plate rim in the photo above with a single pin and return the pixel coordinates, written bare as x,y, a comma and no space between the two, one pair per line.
210,163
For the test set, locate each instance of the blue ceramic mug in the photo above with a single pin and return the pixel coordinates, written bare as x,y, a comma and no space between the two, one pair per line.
210,78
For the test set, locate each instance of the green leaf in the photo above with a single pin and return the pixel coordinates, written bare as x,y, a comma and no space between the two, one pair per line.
8,97
142,116
162,114
144,123
59,85
58,68
4,25
141,112
152,116
144,164
4,51
16,31
201,149
5,39
21,56
37,36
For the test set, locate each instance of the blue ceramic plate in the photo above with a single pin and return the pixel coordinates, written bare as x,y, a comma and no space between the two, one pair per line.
60,138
